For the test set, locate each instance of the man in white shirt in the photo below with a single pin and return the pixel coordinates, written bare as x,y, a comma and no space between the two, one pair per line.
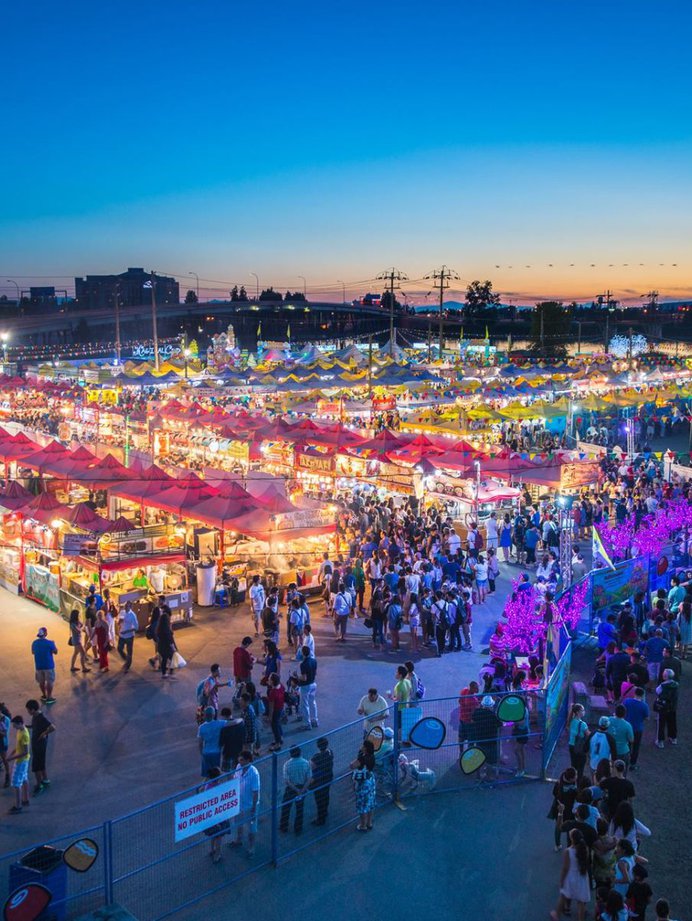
257,598
156,580
128,625
453,541
374,708
248,778
342,609
491,532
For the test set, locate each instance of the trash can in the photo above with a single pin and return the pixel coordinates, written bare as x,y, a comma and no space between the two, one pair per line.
206,583
44,865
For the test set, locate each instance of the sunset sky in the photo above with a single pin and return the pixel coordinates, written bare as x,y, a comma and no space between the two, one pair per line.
545,146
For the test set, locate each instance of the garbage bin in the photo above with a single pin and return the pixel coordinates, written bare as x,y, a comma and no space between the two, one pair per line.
206,583
44,865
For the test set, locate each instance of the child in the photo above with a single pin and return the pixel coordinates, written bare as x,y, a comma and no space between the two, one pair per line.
614,909
639,893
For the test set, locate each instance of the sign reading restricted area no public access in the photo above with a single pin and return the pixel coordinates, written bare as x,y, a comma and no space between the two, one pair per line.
206,809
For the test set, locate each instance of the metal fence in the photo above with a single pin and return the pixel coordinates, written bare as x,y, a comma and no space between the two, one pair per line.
142,868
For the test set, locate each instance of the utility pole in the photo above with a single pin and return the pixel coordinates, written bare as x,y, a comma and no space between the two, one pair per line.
629,348
154,321
116,296
370,366
652,302
441,278
578,337
610,304
391,276
543,329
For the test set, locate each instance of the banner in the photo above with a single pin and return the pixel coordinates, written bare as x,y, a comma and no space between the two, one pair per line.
594,450
583,473
206,809
315,463
304,519
614,586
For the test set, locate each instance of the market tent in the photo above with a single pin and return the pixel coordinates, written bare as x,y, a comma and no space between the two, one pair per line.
15,496
44,508
219,511
231,489
84,517
104,473
183,497
38,459
16,447
70,464
274,501
121,525
383,443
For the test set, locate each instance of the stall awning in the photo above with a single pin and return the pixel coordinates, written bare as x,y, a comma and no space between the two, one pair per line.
132,562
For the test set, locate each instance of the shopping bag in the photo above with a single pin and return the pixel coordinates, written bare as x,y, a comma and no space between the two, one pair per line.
177,661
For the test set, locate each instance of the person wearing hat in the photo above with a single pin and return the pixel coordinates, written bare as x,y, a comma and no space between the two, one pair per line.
486,733
601,744
43,651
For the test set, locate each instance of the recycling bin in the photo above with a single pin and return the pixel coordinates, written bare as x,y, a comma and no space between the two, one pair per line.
44,865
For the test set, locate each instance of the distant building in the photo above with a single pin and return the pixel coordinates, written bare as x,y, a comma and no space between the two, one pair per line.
43,296
99,290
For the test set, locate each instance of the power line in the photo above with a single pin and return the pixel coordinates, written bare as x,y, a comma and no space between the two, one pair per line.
441,278
391,276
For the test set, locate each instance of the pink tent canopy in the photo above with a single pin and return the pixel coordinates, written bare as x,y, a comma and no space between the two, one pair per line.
274,501
182,497
121,525
38,459
70,463
15,496
17,446
84,517
44,508
105,473
220,511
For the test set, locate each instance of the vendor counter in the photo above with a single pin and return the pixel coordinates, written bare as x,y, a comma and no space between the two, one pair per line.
143,603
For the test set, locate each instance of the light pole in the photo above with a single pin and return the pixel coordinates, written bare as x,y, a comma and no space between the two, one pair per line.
197,281
343,290
564,506
19,297
256,277
305,286
154,321
116,296
477,466
186,353
4,337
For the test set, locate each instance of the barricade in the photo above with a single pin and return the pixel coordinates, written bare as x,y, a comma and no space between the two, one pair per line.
431,746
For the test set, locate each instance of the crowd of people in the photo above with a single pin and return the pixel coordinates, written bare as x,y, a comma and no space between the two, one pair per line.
638,670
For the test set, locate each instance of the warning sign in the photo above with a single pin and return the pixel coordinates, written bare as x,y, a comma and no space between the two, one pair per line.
206,809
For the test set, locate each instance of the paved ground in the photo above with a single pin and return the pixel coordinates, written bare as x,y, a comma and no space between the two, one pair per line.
116,731
125,741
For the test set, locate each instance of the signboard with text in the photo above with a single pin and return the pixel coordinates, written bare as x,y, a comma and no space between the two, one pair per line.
206,809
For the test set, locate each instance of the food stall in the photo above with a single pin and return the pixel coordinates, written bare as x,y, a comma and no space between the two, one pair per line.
135,564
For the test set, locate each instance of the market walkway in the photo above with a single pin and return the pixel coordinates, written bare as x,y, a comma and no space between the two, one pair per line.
123,741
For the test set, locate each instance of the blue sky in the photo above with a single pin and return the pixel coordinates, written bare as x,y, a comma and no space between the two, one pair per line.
332,140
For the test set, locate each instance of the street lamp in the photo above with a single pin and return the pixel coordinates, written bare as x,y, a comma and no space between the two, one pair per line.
305,286
4,337
186,353
19,296
477,467
256,277
197,280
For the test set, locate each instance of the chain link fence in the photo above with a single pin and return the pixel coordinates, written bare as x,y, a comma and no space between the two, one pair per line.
436,745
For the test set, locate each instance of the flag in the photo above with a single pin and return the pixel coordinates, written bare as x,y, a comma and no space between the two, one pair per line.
487,334
288,332
259,329
600,550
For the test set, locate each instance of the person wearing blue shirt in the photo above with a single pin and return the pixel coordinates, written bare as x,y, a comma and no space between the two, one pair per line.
43,651
636,712
607,632
653,650
391,579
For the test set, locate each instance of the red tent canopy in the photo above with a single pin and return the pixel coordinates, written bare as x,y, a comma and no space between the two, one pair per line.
38,459
220,511
274,501
105,473
383,443
15,496
17,446
44,508
70,463
182,497
121,525
231,489
84,517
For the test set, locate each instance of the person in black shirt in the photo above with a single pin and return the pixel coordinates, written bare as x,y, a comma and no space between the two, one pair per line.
41,727
231,739
617,788
580,822
322,768
639,893
639,670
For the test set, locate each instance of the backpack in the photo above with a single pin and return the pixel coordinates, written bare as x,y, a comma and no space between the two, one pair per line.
461,613
398,621
420,689
202,697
